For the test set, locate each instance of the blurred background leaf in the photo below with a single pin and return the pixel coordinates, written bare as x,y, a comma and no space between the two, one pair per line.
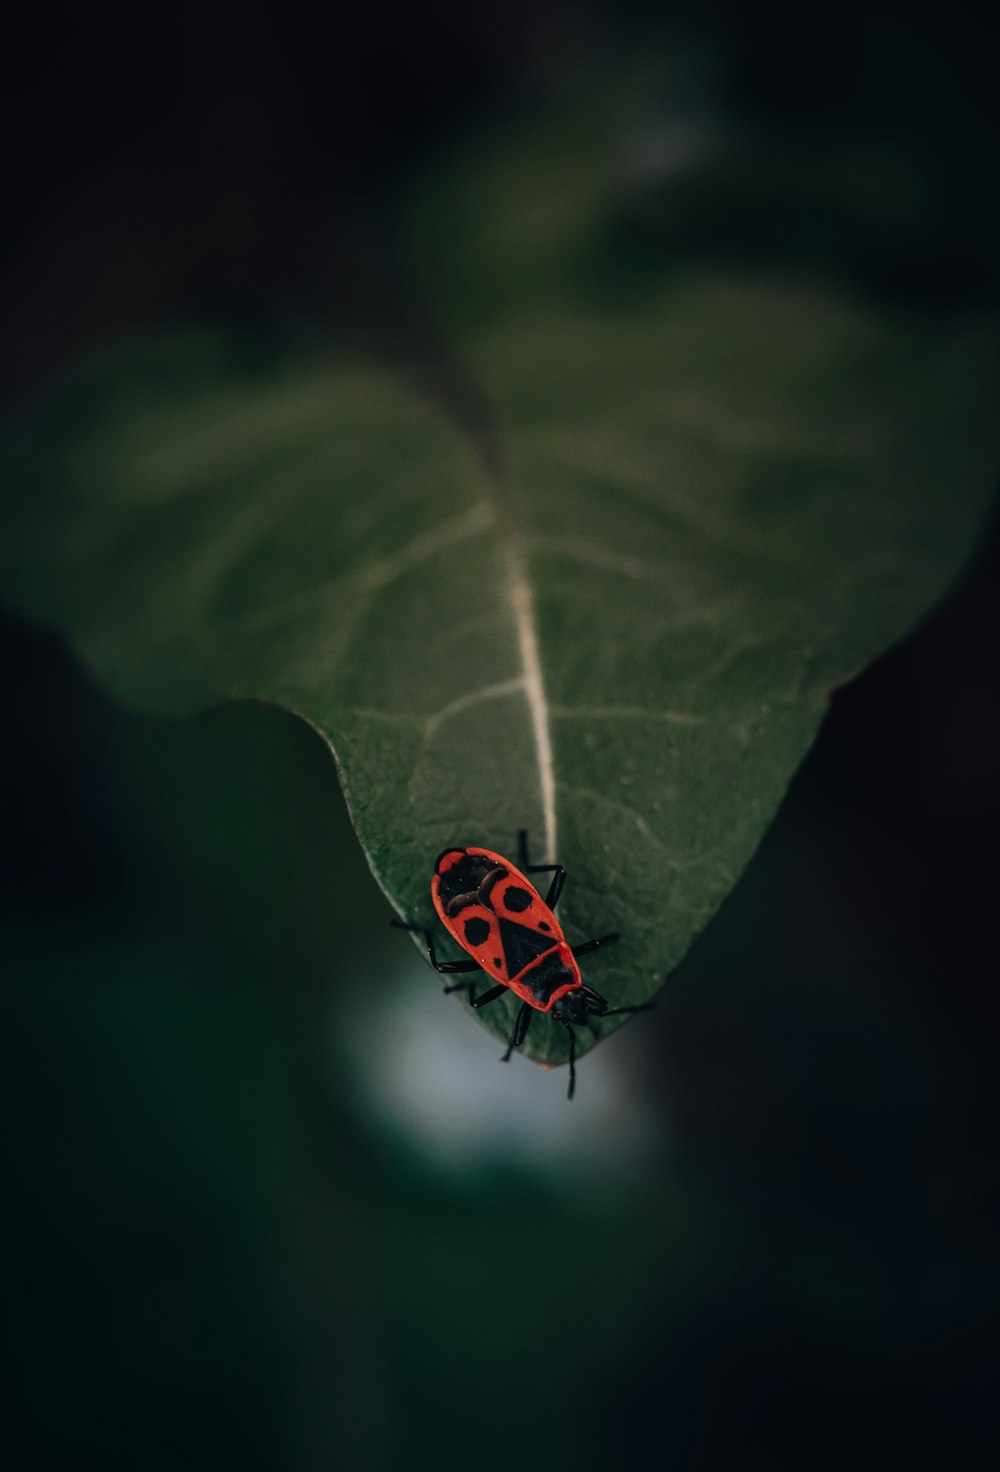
257,1212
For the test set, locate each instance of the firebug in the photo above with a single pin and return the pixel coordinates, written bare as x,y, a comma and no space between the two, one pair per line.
492,909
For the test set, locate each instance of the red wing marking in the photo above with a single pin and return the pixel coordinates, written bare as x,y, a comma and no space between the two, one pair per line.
477,931
514,897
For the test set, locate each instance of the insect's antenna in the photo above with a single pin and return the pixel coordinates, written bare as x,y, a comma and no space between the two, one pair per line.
572,1061
618,1011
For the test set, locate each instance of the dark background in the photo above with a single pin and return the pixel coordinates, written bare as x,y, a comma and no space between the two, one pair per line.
218,1252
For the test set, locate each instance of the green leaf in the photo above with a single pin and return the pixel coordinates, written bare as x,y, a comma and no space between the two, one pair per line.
616,620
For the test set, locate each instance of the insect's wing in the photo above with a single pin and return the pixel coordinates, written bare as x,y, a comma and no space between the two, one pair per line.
493,911
477,931
516,900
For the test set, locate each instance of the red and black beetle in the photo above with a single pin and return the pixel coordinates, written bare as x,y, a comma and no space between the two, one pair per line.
491,908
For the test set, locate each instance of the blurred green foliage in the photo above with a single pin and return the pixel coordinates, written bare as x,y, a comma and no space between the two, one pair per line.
222,1246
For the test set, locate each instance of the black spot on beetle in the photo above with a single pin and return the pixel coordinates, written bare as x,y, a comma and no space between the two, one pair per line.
497,961
476,930
516,898
542,925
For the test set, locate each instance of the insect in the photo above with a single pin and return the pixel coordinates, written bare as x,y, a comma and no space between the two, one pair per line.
493,910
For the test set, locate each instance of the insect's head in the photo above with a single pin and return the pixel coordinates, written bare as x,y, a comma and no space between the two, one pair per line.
575,1005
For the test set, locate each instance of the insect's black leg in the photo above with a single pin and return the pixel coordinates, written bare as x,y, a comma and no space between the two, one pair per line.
443,968
451,968
572,1061
558,880
484,999
520,1030
591,945
556,870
